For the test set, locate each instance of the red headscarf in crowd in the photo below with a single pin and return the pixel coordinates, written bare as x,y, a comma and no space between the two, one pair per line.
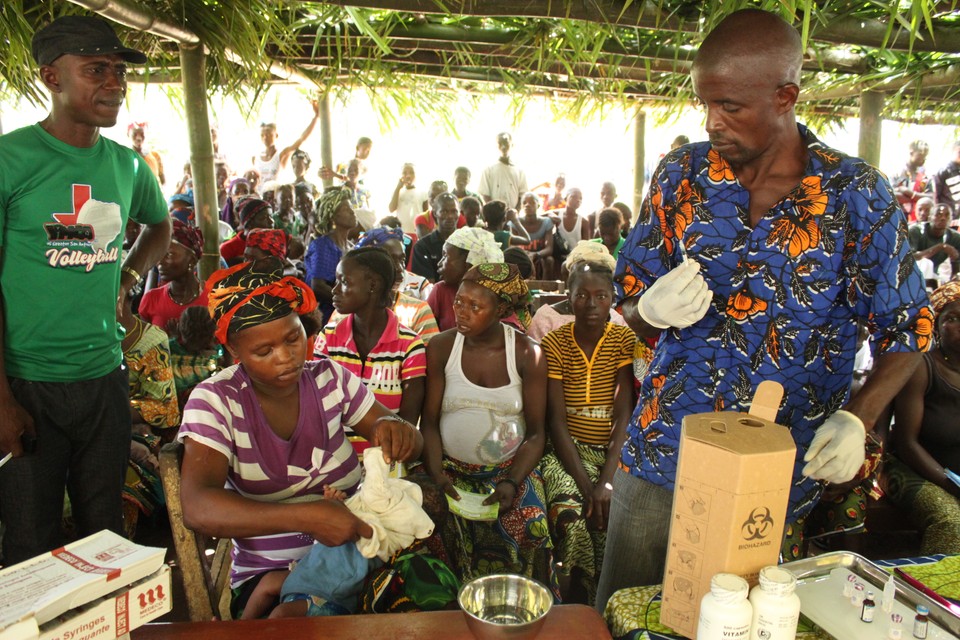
189,236
273,241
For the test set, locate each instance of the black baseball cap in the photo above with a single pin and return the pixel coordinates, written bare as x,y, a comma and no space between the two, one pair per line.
81,36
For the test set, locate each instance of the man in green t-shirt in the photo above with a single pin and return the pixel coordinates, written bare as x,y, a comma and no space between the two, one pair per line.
66,194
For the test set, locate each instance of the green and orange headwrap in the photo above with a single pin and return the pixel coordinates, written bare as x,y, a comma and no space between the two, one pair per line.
505,281
254,293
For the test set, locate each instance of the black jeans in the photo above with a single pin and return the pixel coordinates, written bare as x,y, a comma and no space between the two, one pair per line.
83,443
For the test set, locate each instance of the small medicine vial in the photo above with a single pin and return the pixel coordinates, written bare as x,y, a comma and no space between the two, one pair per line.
857,598
920,622
866,611
725,612
848,586
895,631
776,608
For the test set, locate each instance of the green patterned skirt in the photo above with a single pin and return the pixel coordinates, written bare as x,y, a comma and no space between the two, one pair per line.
577,547
934,511
517,542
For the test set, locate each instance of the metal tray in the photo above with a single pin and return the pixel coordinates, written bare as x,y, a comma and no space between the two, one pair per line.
818,567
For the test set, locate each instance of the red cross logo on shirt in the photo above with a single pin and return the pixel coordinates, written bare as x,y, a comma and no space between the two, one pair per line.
81,193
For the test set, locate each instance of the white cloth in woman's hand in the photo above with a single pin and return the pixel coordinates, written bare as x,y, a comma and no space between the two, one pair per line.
391,506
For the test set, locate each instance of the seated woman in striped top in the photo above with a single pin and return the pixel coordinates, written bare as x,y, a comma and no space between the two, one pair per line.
589,401
265,437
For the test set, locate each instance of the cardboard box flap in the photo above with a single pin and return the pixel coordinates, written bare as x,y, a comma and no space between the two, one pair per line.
739,433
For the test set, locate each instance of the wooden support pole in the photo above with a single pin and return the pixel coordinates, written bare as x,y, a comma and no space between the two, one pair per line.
639,151
193,76
326,143
871,104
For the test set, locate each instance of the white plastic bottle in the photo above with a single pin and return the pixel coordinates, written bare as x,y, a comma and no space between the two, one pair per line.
776,608
725,612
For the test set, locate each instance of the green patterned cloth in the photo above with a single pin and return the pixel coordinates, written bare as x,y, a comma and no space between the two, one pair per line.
152,389
576,546
943,576
517,542
191,369
934,511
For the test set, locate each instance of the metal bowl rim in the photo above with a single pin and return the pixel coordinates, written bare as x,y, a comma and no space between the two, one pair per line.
491,578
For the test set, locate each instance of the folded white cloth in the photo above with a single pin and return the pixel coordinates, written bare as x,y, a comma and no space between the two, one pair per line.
391,506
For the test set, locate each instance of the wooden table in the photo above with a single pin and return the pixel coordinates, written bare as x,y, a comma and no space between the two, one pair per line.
570,622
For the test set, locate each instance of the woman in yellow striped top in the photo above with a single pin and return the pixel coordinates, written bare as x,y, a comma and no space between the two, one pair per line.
589,401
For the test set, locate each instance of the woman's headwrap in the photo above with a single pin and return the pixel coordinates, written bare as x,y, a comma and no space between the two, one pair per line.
479,244
505,282
250,207
254,293
379,236
327,205
587,251
944,295
235,182
189,236
273,241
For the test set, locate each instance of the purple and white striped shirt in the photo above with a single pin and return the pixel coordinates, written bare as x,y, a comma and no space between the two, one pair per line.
223,413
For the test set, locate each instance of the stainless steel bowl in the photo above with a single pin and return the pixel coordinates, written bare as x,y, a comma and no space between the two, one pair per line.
505,606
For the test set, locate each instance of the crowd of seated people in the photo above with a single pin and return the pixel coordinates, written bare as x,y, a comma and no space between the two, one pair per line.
422,327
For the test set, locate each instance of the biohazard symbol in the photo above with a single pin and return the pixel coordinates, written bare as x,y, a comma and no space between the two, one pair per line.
758,525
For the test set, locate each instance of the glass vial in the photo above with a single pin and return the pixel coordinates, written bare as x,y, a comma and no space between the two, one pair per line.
920,622
895,631
856,600
867,610
776,608
725,612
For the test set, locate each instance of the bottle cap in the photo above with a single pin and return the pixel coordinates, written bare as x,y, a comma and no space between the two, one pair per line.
870,594
922,610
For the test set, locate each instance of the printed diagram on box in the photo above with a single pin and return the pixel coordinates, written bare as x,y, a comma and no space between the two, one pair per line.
691,532
682,588
693,502
688,561
678,619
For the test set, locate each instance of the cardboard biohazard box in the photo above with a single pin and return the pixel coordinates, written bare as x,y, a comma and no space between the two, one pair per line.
729,503
99,587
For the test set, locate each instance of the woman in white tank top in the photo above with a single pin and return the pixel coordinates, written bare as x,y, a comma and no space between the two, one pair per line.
483,426
580,230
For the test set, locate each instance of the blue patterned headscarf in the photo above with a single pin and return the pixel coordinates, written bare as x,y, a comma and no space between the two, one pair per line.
379,236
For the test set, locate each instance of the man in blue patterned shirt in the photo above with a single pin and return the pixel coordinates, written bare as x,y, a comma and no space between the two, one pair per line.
754,258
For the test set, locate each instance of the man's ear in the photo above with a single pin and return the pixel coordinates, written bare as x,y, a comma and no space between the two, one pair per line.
50,76
787,95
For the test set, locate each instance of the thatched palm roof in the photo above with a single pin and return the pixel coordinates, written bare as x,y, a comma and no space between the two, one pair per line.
407,52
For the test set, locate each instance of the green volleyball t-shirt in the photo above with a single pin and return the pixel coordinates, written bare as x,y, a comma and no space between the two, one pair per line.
63,211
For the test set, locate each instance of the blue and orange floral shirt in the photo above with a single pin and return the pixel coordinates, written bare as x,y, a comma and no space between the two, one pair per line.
787,295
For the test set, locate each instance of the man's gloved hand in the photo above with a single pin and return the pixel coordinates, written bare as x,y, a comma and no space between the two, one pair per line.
836,452
677,299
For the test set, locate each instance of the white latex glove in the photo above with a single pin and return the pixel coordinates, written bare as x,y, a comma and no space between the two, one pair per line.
677,299
836,452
